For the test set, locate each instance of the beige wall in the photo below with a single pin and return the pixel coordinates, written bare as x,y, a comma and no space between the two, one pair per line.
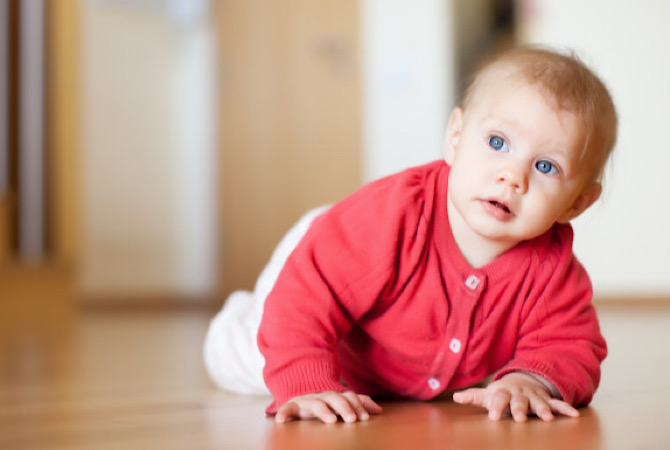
622,241
147,145
140,123
135,147
408,82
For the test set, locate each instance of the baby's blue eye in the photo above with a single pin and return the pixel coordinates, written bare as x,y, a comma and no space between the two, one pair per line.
497,143
546,167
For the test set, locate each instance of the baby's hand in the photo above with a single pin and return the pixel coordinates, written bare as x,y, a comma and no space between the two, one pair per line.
327,405
519,394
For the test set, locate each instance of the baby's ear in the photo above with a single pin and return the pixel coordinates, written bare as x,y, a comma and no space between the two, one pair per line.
453,135
587,198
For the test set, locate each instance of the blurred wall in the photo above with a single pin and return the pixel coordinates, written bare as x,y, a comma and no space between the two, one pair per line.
149,133
148,148
409,76
622,240
147,202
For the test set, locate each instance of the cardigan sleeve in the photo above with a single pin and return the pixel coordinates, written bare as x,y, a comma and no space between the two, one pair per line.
346,262
559,337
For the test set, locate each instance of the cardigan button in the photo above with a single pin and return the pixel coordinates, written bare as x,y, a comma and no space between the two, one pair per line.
472,282
455,345
434,383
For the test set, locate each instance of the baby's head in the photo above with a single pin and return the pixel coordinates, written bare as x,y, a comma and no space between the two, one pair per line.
527,148
567,82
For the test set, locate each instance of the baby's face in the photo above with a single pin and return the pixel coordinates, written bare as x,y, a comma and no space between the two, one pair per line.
516,167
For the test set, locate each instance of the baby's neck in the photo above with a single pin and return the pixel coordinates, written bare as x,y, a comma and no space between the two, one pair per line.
477,250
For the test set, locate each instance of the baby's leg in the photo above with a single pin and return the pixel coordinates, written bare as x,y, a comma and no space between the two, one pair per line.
231,355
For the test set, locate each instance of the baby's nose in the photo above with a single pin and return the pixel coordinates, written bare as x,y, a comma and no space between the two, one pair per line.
515,177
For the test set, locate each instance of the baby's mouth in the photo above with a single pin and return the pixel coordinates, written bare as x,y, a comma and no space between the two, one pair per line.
501,206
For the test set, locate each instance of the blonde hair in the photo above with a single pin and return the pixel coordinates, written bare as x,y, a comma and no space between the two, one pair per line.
572,85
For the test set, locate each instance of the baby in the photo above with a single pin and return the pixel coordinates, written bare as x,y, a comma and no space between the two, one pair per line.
444,275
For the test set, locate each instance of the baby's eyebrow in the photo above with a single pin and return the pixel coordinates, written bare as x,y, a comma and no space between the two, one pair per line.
499,121
490,118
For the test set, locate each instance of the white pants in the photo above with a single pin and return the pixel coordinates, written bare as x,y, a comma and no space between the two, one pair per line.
231,354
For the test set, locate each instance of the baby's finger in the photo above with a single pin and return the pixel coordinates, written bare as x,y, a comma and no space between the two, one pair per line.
305,409
498,403
288,411
370,405
322,411
474,396
360,403
519,408
562,407
357,405
341,405
541,408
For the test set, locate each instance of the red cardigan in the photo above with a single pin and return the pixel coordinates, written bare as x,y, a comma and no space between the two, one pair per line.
377,297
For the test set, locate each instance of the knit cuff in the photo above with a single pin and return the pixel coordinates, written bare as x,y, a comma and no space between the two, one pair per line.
304,378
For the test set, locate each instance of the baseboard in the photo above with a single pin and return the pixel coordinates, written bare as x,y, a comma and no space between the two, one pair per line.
150,301
641,301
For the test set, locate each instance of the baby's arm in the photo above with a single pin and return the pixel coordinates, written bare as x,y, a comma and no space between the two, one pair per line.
336,275
326,406
556,363
519,393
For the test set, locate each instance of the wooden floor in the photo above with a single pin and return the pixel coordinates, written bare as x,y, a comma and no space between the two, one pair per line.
135,380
